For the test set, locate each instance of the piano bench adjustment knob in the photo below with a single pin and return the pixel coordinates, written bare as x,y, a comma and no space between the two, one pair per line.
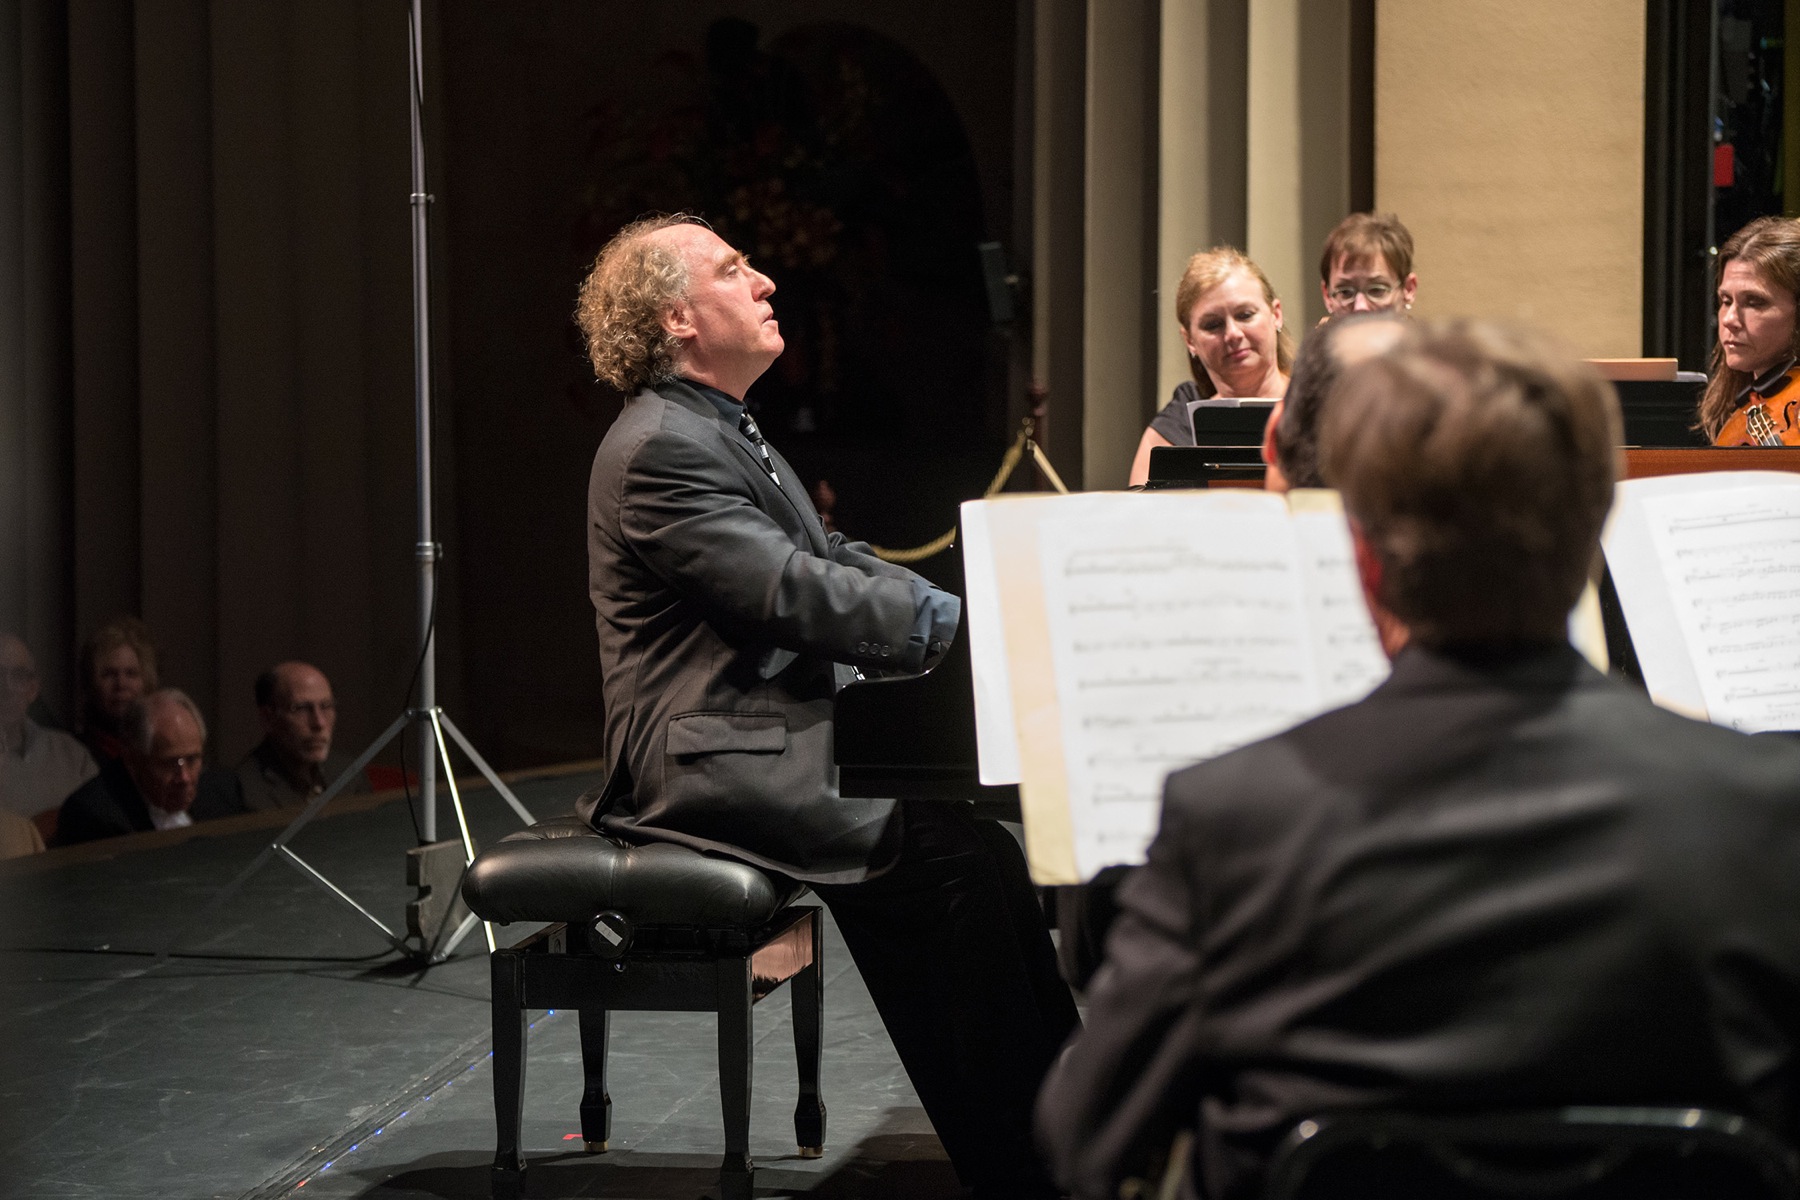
609,935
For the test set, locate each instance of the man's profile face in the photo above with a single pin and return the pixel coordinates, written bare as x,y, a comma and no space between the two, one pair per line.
18,681
169,775
726,322
301,719
118,680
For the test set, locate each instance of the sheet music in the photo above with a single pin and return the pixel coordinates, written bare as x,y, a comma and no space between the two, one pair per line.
1349,656
1731,560
996,742
1634,555
1179,630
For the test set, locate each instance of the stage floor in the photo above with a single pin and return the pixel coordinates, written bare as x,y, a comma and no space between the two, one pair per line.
289,1053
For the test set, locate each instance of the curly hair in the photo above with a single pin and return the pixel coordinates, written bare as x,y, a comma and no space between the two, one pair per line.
622,301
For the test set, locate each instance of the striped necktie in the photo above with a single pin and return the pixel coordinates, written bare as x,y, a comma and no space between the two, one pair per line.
747,427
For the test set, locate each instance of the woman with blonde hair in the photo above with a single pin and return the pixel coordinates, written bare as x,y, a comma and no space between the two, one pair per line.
118,667
1753,395
1230,321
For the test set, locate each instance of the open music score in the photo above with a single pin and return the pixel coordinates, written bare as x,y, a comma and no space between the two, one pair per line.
1707,568
1117,637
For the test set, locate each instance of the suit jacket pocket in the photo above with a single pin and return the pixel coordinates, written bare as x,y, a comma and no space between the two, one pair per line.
718,732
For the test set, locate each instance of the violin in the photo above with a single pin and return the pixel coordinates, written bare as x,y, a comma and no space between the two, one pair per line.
1766,421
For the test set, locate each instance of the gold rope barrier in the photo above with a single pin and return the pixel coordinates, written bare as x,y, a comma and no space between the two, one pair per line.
1014,453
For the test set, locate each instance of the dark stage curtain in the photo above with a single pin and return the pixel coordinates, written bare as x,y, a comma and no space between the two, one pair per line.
205,346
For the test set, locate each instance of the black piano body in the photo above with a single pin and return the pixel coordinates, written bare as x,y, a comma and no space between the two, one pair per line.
914,739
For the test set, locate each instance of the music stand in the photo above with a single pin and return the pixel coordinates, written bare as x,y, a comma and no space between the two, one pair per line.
433,721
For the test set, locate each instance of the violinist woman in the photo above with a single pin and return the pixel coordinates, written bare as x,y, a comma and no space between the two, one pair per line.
1230,322
1753,397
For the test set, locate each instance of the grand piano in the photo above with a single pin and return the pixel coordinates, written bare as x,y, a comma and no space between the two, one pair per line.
915,738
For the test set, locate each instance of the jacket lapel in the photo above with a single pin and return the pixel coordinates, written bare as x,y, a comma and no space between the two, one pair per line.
789,487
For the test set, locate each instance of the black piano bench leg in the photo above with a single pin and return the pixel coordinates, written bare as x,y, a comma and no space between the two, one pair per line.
809,1046
736,1045
596,1104
508,1177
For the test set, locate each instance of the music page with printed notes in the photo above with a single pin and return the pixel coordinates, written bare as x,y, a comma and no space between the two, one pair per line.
1707,567
1116,637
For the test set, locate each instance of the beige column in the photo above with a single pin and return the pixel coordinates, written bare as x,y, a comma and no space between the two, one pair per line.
1509,136
1201,140
1119,335
1274,230
1299,144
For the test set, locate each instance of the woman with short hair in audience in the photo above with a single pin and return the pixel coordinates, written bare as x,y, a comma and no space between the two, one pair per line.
1230,320
1367,266
118,666
1753,395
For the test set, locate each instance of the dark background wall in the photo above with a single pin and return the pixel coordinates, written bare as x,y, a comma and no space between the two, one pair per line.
555,140
205,326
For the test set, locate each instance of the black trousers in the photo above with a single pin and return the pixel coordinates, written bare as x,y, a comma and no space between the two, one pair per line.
952,943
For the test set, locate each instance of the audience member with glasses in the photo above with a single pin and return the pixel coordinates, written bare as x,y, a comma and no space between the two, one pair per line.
160,781
294,761
1367,266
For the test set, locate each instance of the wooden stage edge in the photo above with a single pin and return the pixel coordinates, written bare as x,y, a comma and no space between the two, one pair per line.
277,818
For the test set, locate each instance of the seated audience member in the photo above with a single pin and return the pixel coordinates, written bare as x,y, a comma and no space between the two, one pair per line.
1753,395
39,767
1291,438
293,762
1501,881
1366,266
118,665
156,782
1230,322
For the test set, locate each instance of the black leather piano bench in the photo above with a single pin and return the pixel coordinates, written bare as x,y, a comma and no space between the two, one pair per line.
655,927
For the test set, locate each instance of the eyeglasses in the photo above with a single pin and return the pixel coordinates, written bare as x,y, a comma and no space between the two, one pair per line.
1378,293
180,764
312,708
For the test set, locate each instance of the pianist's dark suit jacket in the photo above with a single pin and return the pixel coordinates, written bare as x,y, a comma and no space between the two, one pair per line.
1491,884
724,612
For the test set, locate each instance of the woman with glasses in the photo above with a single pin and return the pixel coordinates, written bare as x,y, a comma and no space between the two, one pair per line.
1753,396
1367,265
1231,323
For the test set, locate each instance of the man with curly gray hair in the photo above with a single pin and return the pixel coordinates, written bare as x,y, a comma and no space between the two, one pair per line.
728,619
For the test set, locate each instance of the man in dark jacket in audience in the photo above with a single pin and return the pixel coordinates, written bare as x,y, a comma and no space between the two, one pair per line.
294,761
160,782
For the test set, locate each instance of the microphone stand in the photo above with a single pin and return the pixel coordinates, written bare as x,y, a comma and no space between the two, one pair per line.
432,721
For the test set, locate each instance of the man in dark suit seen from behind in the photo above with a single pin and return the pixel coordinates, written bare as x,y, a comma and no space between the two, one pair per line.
160,780
1500,881
1085,912
294,761
728,618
